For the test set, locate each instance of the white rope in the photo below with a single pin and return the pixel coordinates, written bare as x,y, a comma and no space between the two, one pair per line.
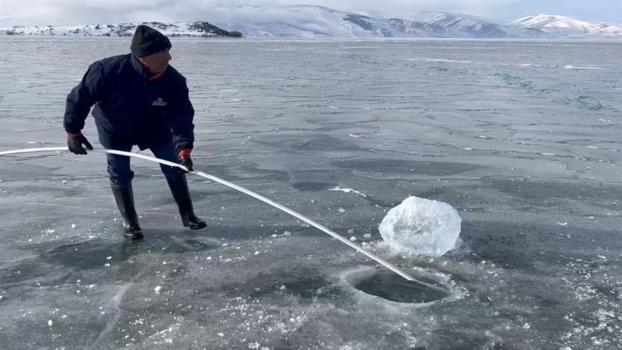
33,150
249,193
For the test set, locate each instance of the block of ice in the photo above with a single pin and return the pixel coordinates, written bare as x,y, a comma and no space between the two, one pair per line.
421,226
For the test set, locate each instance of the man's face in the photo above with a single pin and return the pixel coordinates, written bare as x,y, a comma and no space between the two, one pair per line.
156,63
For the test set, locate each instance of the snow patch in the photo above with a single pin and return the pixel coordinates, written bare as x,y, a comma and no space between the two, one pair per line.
347,190
446,60
581,67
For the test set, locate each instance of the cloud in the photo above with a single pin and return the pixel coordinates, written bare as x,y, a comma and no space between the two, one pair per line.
78,12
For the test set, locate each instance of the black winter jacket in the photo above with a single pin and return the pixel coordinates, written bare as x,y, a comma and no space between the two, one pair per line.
129,108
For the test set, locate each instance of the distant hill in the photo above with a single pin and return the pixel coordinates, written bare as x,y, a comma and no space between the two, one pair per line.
306,21
317,22
309,21
197,29
567,26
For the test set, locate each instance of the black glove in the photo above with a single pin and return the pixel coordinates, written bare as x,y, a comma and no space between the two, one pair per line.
75,142
184,158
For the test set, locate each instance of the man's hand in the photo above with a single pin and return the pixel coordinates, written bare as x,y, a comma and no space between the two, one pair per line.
75,142
184,158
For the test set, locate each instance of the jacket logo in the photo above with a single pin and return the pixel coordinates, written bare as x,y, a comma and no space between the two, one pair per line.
159,102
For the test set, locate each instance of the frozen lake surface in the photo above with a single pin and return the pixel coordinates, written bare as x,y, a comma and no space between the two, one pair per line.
523,139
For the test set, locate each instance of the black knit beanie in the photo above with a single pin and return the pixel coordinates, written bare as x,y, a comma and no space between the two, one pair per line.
147,41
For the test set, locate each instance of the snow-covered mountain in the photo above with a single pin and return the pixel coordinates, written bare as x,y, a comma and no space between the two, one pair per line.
204,29
306,21
567,26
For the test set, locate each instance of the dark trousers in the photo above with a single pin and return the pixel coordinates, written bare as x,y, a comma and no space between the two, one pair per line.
119,166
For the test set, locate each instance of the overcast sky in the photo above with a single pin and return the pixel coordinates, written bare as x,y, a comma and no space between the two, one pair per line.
113,11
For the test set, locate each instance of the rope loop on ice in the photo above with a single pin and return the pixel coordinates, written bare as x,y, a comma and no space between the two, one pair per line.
249,193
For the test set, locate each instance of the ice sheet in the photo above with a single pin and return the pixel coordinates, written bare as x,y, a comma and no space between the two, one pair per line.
529,156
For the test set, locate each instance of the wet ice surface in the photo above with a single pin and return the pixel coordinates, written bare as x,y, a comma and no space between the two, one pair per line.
525,148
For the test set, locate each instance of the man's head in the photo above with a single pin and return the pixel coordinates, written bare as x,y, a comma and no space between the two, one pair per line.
151,48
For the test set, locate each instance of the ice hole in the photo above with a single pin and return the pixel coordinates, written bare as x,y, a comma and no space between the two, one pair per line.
388,285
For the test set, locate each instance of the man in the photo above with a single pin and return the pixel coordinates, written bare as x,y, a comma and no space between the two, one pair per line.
139,100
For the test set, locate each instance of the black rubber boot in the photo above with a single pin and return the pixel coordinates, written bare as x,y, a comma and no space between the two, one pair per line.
124,197
179,188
